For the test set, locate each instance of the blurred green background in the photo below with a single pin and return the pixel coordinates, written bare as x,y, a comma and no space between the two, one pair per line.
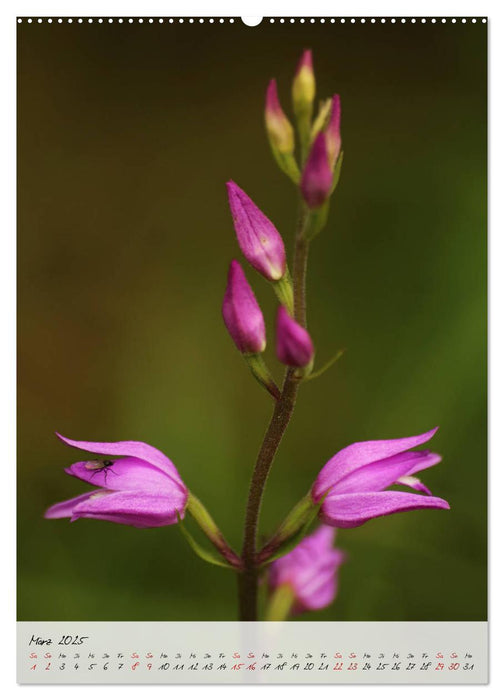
127,135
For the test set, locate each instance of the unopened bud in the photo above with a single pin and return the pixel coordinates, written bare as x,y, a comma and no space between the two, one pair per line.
279,128
294,346
303,86
333,132
258,238
242,314
280,134
317,177
303,94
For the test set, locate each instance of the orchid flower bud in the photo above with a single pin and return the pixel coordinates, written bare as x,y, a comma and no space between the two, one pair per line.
333,133
294,346
280,134
307,577
303,94
279,128
242,314
303,86
245,323
317,177
258,237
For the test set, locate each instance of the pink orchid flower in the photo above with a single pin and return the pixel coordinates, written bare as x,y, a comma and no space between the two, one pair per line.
138,486
310,570
356,477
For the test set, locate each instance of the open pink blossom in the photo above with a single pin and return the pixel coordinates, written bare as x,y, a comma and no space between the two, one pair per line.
355,480
137,486
310,570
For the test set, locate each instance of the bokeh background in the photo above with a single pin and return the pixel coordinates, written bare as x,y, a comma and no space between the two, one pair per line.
127,135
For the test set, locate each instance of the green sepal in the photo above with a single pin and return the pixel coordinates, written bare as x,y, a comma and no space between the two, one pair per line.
287,164
284,291
303,114
322,118
337,172
261,372
305,513
289,544
317,219
202,553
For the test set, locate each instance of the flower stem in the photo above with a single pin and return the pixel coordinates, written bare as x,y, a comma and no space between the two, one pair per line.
284,407
280,604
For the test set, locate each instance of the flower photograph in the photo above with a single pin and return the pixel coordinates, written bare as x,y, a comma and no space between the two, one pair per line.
252,307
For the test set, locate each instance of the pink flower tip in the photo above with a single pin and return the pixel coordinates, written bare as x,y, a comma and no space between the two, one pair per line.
272,102
294,346
317,177
259,240
354,481
242,314
310,570
306,61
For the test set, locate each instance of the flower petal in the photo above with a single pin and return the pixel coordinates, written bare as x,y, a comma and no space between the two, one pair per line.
137,509
320,590
65,509
125,474
353,510
128,448
413,483
378,475
310,569
358,454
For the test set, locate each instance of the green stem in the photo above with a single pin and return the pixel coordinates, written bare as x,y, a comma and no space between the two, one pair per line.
280,603
284,407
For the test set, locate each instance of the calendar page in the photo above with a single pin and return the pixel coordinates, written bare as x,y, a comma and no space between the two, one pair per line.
252,349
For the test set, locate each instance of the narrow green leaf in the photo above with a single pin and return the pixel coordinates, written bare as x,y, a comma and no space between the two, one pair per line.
203,553
324,368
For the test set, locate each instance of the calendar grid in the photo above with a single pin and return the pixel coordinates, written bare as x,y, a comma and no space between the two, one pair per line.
292,652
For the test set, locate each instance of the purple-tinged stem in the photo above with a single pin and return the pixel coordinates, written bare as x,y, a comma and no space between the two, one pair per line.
284,408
